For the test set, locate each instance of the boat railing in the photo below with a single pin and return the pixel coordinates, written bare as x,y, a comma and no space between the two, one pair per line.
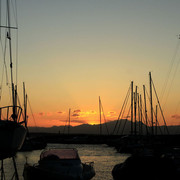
89,163
11,113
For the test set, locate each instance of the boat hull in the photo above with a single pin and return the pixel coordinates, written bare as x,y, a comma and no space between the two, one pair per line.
12,136
37,172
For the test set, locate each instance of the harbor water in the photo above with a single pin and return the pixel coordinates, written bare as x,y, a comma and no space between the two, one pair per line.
103,156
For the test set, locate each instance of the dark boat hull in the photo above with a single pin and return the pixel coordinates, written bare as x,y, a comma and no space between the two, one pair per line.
145,167
36,173
12,136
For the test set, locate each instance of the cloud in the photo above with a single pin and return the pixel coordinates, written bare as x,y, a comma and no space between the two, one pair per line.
175,116
111,112
63,120
78,121
59,112
41,114
76,115
77,111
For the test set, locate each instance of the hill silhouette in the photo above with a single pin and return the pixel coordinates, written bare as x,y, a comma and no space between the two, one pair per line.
122,127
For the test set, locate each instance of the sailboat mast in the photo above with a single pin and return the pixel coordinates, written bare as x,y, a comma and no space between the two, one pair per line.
135,111
10,52
156,119
144,89
151,103
25,105
69,121
131,107
100,127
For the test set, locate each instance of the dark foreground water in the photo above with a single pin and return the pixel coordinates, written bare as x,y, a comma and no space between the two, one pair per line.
104,158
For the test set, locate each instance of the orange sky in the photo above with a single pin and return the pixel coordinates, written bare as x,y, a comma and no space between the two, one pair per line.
72,52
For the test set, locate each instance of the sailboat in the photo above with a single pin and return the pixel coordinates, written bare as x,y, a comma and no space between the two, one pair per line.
12,124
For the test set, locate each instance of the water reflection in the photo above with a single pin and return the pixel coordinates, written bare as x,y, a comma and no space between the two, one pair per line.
103,156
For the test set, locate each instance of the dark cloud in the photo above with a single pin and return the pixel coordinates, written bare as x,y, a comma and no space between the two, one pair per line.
41,113
59,112
63,120
175,116
76,115
77,111
79,121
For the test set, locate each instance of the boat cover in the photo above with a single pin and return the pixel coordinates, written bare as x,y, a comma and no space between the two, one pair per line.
60,153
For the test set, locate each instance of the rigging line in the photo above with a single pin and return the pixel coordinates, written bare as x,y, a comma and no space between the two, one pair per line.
121,111
65,125
160,107
126,120
14,7
17,44
170,68
104,119
148,120
7,79
32,112
4,51
174,75
0,16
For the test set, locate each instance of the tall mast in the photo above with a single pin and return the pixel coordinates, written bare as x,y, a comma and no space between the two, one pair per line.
139,116
100,127
10,53
156,119
25,105
141,129
135,111
131,107
69,121
144,89
151,103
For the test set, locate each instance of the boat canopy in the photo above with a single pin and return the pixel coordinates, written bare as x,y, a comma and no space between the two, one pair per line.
60,154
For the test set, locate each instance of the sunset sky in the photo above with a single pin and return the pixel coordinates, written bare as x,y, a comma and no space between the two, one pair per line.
70,52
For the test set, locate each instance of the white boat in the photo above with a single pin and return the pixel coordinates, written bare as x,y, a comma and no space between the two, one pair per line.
59,164
12,126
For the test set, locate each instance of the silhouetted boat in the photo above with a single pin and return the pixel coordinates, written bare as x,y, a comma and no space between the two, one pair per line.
33,143
59,164
12,131
148,166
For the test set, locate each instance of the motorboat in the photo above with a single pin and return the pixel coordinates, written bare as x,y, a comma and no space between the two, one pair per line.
59,164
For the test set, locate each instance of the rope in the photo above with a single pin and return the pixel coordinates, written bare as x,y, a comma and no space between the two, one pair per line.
170,68
121,111
32,112
104,119
174,75
160,108
125,121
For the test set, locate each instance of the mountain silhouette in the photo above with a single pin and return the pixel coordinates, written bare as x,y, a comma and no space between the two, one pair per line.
123,127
